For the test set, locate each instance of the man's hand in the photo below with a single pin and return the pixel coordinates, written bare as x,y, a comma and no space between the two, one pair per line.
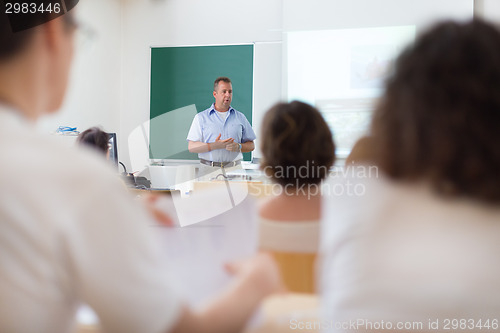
234,146
221,144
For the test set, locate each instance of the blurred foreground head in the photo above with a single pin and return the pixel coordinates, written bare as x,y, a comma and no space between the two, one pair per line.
35,62
439,118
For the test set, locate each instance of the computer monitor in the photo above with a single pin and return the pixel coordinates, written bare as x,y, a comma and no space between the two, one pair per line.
113,150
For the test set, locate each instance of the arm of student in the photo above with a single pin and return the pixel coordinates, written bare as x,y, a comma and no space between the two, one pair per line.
255,278
160,215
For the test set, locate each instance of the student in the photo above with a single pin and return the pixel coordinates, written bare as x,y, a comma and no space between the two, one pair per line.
418,248
95,138
297,153
362,153
69,233
98,140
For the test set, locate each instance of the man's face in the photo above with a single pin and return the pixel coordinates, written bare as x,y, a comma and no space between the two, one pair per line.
223,96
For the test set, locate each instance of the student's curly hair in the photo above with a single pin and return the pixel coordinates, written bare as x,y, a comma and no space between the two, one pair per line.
297,144
439,119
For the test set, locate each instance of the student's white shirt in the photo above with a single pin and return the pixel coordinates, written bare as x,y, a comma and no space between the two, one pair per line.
402,254
69,233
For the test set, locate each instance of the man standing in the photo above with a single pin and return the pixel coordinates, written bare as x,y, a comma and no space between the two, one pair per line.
220,133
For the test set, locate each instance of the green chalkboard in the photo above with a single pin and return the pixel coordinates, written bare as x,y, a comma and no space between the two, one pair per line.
182,84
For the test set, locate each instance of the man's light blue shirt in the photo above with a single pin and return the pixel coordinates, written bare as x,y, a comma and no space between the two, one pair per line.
207,125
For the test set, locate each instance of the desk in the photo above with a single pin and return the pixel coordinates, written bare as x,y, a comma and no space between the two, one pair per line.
280,312
140,191
277,315
87,328
255,188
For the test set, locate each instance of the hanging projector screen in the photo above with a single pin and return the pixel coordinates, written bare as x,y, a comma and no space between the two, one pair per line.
341,72
337,53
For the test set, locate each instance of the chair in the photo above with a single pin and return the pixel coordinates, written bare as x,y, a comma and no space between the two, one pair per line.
294,246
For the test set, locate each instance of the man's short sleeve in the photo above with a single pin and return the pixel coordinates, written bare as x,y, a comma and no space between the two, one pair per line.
248,133
195,133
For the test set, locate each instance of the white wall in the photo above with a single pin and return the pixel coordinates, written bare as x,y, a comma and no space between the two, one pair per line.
94,93
488,9
110,81
202,22
332,14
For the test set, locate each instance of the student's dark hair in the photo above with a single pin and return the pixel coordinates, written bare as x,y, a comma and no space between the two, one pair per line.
297,144
361,153
11,43
220,78
96,138
439,118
